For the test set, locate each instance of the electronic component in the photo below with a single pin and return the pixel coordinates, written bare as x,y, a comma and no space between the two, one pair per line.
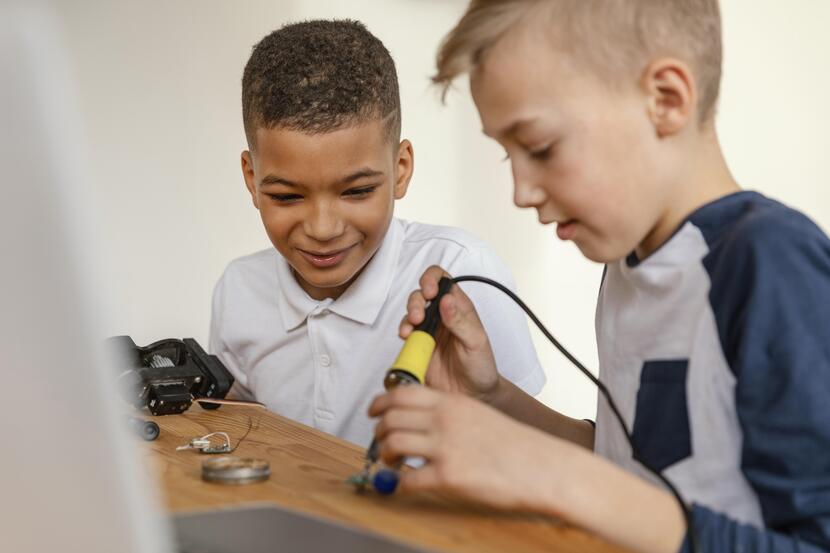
168,375
220,444
204,444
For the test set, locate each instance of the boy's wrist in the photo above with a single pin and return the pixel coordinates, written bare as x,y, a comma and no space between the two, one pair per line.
546,488
588,491
499,395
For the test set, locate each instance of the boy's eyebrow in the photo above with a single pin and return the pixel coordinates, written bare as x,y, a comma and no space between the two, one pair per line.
360,174
274,179
510,129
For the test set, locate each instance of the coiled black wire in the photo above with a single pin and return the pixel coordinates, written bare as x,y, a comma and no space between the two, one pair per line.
687,512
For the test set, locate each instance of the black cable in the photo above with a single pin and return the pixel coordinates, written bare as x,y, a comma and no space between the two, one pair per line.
687,512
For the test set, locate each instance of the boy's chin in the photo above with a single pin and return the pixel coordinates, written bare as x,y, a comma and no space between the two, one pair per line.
602,253
322,280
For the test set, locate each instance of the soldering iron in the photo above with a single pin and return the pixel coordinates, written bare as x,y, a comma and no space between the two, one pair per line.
411,366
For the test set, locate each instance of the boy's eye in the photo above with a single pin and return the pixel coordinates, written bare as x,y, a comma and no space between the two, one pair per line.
285,198
542,154
361,192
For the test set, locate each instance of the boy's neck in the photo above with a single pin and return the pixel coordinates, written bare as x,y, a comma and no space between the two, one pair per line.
704,178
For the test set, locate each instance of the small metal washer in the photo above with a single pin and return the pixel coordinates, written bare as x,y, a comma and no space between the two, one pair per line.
235,470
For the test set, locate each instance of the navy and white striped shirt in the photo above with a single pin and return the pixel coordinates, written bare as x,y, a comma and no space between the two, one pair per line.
717,349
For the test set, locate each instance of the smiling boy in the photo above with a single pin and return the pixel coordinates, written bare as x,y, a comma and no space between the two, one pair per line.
712,321
309,327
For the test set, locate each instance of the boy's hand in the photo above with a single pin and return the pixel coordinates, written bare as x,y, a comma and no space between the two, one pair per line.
477,453
463,360
472,450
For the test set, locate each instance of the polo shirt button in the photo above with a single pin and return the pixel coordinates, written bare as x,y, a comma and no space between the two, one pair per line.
325,360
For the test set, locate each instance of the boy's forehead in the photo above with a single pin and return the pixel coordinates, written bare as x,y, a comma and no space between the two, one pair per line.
365,137
511,82
303,156
524,76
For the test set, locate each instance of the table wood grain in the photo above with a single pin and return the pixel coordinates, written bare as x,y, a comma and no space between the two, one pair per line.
308,473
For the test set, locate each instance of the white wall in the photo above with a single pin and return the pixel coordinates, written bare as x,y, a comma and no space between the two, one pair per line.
160,86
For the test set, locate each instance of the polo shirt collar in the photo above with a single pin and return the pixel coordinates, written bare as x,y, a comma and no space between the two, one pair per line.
361,302
295,304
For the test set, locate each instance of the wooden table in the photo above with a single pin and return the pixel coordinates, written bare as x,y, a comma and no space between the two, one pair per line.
308,470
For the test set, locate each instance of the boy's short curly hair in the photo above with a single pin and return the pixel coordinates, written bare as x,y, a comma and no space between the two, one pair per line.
613,38
318,76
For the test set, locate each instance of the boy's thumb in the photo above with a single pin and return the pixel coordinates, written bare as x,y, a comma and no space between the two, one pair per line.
459,316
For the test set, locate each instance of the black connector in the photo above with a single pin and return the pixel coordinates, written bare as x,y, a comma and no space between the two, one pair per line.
168,399
432,315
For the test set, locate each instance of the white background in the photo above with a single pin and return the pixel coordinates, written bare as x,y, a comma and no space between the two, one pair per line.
160,89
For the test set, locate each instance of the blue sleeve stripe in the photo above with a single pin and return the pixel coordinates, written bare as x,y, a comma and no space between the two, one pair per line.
717,533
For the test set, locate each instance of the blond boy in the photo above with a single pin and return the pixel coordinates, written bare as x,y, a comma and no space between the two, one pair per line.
712,321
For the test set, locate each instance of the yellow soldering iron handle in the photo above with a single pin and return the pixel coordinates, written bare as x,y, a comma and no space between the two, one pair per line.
413,360
415,355
410,367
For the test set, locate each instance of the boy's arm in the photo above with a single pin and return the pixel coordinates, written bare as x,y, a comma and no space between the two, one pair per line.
464,362
522,376
512,401
524,469
717,532
772,309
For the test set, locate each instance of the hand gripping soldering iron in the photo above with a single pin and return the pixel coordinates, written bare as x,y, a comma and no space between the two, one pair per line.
410,367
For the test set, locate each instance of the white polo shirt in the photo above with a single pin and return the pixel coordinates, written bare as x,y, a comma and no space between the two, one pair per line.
321,362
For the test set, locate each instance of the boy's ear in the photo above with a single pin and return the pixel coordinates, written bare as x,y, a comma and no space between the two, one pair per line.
248,174
670,87
405,167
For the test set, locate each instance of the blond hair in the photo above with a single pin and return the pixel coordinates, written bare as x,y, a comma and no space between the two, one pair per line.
614,38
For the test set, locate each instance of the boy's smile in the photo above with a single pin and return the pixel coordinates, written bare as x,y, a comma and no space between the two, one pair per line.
325,259
326,199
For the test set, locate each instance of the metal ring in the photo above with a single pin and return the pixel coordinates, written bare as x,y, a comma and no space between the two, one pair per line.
235,470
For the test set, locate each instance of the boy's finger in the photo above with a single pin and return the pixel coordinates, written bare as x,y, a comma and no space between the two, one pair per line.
412,397
429,281
415,307
406,444
408,420
405,329
459,316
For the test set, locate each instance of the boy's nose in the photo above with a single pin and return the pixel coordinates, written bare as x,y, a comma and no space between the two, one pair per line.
324,223
527,194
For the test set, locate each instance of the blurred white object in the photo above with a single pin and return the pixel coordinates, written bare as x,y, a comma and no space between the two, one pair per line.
69,476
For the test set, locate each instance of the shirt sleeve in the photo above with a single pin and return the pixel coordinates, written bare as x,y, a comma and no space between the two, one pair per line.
716,532
771,297
505,322
217,345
